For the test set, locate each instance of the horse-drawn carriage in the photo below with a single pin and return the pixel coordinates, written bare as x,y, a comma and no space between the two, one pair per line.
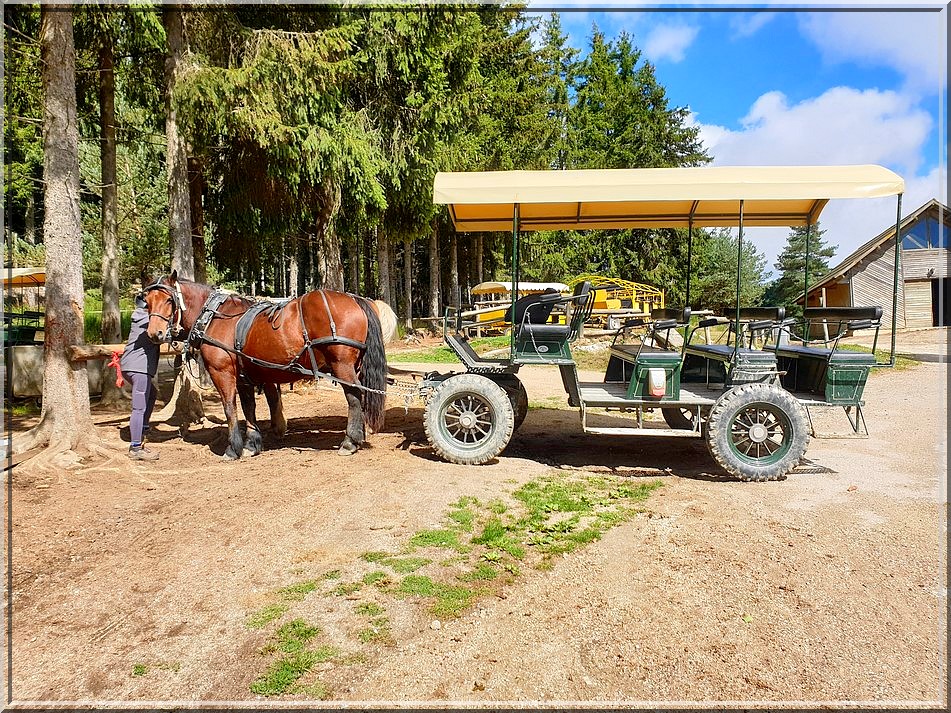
750,402
748,396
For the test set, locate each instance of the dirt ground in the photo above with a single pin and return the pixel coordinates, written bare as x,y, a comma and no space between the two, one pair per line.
139,582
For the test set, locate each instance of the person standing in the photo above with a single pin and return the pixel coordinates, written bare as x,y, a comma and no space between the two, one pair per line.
138,363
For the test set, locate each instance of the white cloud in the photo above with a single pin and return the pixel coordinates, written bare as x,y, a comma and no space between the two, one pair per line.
669,42
913,43
747,25
841,126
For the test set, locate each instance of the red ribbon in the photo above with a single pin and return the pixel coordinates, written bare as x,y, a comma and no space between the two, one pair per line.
115,362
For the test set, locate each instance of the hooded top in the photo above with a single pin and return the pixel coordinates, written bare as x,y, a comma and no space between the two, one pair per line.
141,353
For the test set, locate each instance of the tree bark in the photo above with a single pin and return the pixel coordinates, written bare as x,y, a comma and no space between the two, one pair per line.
29,229
454,294
435,297
196,190
477,258
383,263
65,422
111,321
179,220
408,283
368,284
292,270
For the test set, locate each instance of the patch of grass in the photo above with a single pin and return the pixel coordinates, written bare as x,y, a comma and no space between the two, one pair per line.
369,609
283,673
377,633
265,615
450,601
297,592
345,588
139,669
462,518
496,535
403,565
482,572
332,574
378,577
317,691
293,636
437,538
25,408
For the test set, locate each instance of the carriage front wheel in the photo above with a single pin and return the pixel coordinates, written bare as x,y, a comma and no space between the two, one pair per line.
757,432
469,419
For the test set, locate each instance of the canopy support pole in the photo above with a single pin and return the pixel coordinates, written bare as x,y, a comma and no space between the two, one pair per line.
689,256
805,282
515,269
891,359
739,272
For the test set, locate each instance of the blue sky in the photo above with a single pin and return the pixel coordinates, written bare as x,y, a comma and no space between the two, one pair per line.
798,87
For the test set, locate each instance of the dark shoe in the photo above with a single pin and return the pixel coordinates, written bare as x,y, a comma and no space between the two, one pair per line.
142,453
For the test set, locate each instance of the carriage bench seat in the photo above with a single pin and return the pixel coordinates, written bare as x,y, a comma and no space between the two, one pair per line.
834,356
642,353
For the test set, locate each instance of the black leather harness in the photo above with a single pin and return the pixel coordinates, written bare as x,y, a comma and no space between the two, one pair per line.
272,311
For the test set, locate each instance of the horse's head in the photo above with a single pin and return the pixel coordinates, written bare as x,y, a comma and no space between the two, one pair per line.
165,304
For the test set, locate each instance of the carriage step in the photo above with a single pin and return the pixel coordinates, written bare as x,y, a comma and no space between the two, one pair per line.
682,433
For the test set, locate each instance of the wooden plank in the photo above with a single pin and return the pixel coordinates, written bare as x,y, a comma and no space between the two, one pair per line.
86,352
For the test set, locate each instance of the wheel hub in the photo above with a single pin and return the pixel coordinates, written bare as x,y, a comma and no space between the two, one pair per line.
758,433
467,420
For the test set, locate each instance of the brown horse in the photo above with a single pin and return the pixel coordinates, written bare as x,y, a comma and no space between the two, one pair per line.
245,344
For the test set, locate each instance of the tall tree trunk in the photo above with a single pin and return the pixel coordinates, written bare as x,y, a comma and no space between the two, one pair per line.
354,265
368,284
454,295
111,322
328,242
394,278
383,263
435,298
292,286
477,258
29,232
179,221
196,190
65,421
408,283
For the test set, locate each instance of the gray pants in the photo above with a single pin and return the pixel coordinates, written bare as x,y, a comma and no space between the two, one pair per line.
143,399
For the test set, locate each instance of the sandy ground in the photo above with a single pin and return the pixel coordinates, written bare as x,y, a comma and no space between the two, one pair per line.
135,582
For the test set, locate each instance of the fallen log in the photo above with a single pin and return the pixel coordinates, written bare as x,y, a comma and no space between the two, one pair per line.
87,352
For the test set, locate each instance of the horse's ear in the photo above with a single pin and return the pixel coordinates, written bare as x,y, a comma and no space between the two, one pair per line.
173,278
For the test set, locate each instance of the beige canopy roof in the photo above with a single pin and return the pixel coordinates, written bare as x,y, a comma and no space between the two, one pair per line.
24,277
655,197
494,287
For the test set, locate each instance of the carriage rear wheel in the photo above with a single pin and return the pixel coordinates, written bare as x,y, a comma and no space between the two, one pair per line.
519,398
469,419
757,432
683,419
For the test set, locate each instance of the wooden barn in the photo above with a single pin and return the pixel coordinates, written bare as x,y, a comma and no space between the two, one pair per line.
865,278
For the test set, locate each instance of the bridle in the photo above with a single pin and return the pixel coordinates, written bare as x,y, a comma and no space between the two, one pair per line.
174,321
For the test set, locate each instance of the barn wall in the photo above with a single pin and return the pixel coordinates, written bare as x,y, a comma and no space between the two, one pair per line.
917,263
873,283
918,304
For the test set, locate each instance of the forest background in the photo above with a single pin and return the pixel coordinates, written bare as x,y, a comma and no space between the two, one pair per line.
277,149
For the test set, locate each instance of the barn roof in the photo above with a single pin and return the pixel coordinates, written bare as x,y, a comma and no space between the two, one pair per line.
868,248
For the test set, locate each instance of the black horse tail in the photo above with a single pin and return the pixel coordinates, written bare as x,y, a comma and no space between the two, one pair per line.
373,370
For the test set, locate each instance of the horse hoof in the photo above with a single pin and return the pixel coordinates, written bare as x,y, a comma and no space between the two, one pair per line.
251,453
343,451
230,456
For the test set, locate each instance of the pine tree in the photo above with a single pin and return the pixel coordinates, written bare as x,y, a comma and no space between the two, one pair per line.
791,265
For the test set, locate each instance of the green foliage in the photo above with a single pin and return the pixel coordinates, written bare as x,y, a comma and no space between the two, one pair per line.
266,615
716,284
791,265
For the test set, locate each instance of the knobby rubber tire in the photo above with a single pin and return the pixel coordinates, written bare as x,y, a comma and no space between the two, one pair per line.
676,418
731,443
455,403
519,398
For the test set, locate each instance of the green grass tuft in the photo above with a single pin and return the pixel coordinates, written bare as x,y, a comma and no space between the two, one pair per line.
293,636
283,673
264,616
297,592
437,538
369,609
482,572
139,669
